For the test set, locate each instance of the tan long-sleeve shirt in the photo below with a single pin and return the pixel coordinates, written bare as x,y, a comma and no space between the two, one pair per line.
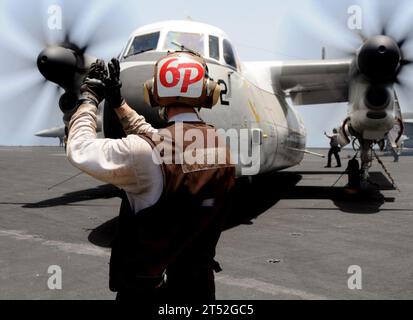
126,163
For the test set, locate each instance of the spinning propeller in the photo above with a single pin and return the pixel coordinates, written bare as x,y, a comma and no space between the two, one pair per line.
53,37
383,47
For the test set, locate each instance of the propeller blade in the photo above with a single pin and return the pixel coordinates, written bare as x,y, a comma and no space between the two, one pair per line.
401,43
12,62
36,109
323,26
88,24
383,30
97,36
362,36
401,20
66,39
371,21
15,84
406,74
35,119
71,11
51,21
14,37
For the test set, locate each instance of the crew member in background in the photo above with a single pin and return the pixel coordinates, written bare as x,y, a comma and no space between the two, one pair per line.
334,149
172,214
392,148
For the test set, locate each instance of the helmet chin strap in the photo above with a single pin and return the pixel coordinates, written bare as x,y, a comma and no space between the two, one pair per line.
197,110
163,114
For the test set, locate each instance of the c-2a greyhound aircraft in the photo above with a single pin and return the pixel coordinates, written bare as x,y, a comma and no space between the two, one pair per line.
258,96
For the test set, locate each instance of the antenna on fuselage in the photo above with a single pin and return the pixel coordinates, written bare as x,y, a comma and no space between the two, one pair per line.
323,53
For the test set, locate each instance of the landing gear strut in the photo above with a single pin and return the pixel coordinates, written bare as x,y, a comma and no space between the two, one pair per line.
353,173
358,175
366,158
358,172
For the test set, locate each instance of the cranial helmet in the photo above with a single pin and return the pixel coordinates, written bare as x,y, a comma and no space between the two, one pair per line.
181,78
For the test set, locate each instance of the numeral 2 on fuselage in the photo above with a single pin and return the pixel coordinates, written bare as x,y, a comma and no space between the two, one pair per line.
224,91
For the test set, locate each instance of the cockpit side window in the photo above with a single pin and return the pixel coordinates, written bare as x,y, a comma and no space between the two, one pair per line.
229,55
192,41
143,43
214,47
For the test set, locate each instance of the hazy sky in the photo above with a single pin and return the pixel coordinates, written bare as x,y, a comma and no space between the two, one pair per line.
260,30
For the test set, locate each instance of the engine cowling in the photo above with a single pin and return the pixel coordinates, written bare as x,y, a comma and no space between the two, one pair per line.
379,58
66,66
371,97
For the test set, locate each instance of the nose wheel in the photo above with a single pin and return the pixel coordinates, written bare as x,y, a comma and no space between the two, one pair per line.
358,170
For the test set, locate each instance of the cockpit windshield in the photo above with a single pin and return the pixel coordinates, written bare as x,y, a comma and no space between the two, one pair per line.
192,41
143,43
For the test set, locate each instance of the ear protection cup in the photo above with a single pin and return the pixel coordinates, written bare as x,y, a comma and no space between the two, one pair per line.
213,91
216,95
148,93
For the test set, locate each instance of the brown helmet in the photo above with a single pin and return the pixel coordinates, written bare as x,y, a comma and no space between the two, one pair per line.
181,78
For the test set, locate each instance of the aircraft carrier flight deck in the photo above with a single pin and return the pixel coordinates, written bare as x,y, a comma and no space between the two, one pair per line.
295,234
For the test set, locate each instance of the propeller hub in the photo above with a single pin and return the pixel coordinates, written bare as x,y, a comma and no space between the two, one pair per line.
379,58
58,64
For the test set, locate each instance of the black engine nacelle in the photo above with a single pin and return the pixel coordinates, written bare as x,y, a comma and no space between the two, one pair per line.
62,65
66,66
379,58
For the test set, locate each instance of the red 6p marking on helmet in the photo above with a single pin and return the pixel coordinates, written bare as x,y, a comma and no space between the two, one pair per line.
181,78
176,77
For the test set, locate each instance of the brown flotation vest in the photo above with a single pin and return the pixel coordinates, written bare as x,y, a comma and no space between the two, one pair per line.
186,222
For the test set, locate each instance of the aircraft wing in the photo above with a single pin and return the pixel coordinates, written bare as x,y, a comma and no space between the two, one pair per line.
59,132
307,81
315,82
56,132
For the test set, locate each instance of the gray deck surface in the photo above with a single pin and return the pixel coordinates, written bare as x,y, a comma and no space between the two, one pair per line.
292,235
